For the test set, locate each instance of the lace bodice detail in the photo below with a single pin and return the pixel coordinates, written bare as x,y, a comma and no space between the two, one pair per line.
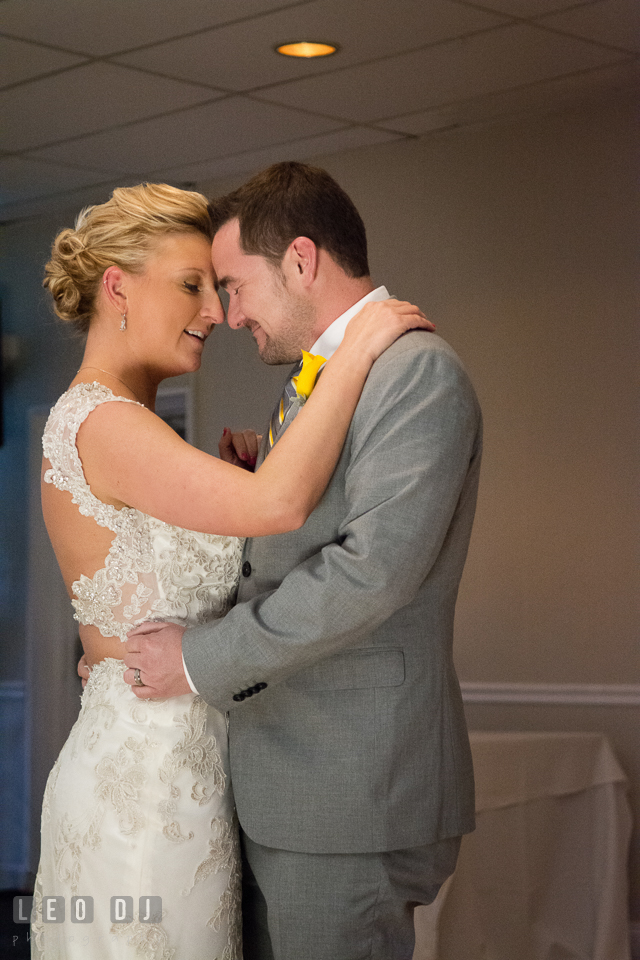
153,571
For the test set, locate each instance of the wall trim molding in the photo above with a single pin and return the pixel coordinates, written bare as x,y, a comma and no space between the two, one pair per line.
587,694
569,694
13,770
12,689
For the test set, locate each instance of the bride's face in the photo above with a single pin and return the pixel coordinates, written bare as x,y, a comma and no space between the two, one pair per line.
173,305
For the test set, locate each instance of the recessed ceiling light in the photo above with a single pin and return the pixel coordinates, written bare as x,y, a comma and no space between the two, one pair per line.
305,48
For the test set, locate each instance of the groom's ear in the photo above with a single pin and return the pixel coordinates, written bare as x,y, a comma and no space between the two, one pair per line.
301,260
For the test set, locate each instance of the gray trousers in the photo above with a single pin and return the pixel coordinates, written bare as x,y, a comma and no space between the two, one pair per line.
306,906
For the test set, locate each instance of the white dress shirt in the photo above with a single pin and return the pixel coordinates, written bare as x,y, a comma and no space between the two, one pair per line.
326,345
329,341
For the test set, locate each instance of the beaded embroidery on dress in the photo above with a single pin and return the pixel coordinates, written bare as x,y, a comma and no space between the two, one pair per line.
139,802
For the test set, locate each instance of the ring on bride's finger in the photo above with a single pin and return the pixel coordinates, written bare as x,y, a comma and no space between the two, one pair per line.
136,678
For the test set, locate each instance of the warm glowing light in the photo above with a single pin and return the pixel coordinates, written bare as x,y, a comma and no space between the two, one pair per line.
305,48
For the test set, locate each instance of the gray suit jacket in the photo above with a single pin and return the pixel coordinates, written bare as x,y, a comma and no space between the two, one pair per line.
358,740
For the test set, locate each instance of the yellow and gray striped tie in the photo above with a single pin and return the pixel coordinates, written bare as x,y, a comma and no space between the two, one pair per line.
301,384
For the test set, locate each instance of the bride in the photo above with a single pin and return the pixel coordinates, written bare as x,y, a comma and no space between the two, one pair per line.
139,846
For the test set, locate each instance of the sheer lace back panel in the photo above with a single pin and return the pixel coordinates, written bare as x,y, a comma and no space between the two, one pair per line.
153,571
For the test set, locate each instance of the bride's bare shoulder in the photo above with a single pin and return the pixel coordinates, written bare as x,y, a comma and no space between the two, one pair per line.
117,430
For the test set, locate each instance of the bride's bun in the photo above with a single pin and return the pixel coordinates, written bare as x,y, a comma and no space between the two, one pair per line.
120,232
72,276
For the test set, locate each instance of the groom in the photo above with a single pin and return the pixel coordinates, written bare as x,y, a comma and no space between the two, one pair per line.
349,754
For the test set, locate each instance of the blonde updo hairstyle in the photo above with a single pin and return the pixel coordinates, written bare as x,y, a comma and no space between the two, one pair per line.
121,232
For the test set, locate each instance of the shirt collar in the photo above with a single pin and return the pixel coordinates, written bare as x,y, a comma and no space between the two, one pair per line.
329,341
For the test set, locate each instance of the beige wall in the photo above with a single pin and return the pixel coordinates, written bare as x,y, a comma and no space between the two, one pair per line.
519,239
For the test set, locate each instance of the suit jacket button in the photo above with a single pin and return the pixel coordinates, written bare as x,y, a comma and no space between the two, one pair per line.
246,569
238,697
249,692
260,686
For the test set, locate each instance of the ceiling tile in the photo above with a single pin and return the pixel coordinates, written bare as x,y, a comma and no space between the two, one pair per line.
242,56
22,61
529,8
198,134
610,21
458,70
253,160
99,28
88,98
67,203
25,179
523,101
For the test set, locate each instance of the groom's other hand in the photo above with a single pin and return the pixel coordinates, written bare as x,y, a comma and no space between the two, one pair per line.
83,670
240,449
154,655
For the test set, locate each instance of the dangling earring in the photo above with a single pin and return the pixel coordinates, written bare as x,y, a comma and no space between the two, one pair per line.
123,322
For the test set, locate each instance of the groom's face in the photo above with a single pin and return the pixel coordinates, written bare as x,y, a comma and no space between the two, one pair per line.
260,299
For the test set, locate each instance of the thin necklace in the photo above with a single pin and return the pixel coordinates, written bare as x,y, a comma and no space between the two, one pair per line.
115,378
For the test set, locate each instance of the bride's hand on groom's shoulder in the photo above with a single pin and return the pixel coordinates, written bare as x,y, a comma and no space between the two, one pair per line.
379,323
240,449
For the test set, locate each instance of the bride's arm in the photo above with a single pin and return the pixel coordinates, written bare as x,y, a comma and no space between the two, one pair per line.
131,457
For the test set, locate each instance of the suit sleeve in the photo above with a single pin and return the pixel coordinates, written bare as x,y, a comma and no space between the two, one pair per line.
415,434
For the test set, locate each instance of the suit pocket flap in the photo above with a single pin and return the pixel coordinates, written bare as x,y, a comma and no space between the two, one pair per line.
353,670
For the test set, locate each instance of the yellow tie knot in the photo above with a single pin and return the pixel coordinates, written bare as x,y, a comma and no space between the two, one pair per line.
306,379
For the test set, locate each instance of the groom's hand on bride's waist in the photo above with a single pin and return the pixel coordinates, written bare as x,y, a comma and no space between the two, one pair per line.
154,661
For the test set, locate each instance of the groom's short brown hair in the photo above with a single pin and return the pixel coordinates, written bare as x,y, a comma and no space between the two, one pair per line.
289,200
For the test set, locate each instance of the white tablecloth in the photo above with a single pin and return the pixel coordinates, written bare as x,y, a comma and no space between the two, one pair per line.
544,875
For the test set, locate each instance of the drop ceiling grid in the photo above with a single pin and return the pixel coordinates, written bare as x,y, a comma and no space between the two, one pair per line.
24,178
527,9
86,99
21,62
93,28
484,63
364,23
614,22
299,148
363,28
190,136
186,104
518,102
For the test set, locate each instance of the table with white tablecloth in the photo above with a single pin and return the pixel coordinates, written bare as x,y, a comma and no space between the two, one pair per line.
544,875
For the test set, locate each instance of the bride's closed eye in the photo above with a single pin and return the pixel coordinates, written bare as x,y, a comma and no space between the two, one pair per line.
192,287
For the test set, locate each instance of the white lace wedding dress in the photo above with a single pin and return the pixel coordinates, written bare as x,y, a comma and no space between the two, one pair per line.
139,802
